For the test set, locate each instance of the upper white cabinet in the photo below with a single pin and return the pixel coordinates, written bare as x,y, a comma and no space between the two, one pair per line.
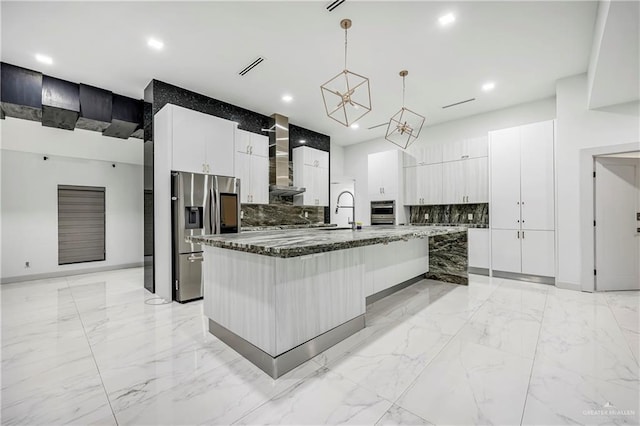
311,171
420,154
464,149
200,143
522,199
522,177
423,184
252,166
385,175
465,181
462,176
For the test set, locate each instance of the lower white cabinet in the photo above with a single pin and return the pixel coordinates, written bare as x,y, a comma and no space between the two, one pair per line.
478,247
523,252
538,253
394,263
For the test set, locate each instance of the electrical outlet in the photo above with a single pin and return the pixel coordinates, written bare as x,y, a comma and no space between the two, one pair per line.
306,214
426,216
241,214
27,264
470,216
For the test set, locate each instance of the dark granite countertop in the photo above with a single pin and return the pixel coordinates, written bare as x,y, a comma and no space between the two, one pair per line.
301,242
276,227
464,225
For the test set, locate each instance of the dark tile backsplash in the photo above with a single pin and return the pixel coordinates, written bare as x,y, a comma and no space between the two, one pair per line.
451,214
280,213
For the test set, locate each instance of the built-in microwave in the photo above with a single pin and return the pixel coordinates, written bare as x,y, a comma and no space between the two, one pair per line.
383,212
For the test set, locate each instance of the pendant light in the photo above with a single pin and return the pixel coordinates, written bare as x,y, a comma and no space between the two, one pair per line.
405,126
347,96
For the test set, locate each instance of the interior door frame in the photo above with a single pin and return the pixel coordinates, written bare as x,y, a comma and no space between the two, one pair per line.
618,161
587,207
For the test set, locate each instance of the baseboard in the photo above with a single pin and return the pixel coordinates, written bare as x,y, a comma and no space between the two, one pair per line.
58,274
569,286
538,279
478,271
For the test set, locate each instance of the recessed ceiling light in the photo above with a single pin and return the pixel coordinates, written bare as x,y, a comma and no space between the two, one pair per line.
355,125
44,59
302,141
447,19
156,44
488,86
287,98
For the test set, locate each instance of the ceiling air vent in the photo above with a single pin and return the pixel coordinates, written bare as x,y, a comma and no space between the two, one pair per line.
251,66
334,4
458,103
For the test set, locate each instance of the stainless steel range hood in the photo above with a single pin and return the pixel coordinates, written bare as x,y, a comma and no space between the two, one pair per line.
279,181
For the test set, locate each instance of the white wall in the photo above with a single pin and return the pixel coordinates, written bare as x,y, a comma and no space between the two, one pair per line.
579,128
28,198
355,156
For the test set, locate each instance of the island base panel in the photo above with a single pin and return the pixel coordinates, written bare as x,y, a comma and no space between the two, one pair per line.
448,258
283,363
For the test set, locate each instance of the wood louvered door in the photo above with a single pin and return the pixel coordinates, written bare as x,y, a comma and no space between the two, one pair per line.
81,224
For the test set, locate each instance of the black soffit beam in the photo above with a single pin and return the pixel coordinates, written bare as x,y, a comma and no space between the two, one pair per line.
95,108
30,95
20,92
126,117
60,103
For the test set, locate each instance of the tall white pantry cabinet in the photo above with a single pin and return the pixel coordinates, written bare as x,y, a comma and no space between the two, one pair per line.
522,200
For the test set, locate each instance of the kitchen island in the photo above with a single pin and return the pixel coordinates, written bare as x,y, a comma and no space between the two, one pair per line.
281,297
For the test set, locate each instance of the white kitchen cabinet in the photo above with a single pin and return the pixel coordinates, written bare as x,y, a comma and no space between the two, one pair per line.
311,171
505,179
505,250
421,154
537,176
464,149
200,143
465,181
538,252
478,247
423,184
252,143
252,167
411,197
522,199
385,175
389,265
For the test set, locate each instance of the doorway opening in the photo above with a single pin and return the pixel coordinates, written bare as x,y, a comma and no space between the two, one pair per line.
617,221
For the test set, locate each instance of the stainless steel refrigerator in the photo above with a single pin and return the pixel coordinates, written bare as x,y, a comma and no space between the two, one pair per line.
202,205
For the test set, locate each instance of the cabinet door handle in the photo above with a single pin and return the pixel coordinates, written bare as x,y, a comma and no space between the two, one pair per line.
518,202
518,221
523,235
518,234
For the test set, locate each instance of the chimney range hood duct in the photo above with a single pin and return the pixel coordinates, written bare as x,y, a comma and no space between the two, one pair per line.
279,183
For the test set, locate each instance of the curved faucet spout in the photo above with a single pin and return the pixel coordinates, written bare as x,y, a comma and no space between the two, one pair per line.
352,207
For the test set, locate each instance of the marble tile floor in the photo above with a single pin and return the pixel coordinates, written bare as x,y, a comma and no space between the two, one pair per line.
88,350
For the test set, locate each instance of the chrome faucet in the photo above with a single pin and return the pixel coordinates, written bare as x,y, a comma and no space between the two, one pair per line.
353,207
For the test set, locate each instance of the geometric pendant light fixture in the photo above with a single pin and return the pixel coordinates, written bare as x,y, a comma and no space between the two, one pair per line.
347,96
405,126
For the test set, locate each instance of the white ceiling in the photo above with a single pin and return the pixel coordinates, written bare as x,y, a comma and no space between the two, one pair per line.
523,46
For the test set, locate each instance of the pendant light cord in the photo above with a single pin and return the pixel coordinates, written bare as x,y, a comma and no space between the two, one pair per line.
403,89
345,48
